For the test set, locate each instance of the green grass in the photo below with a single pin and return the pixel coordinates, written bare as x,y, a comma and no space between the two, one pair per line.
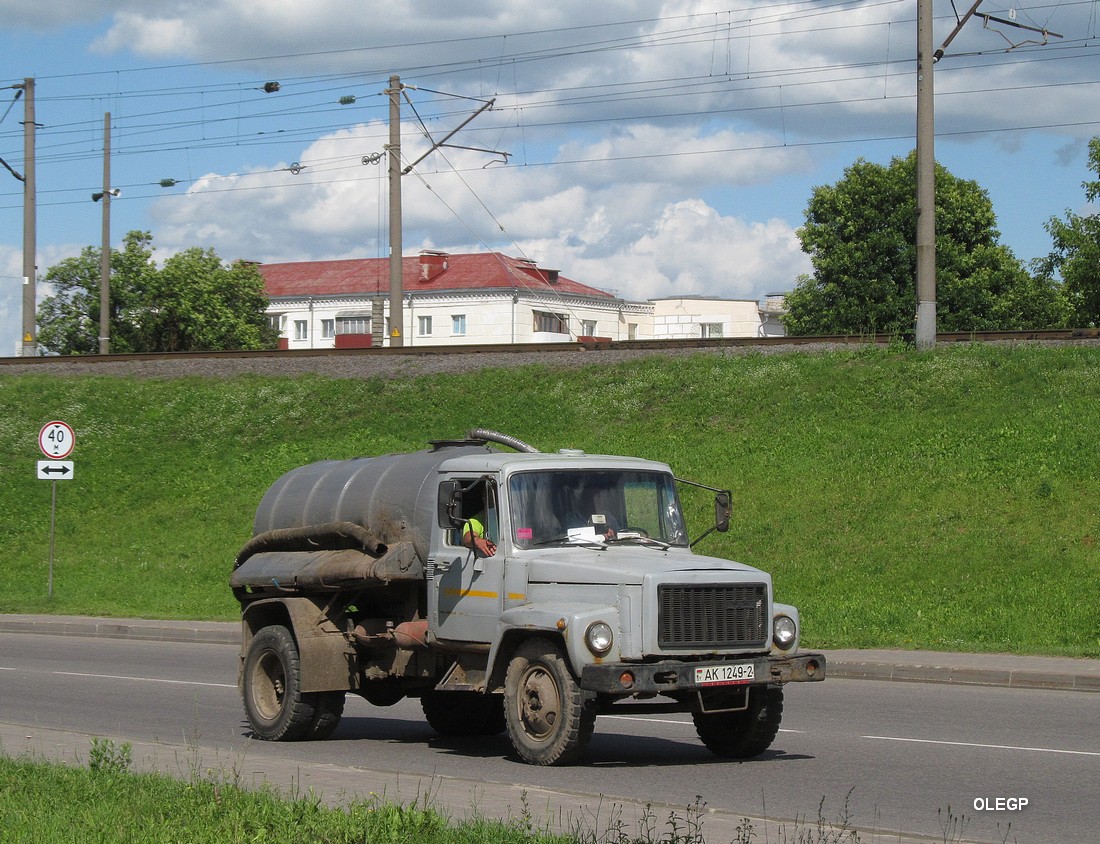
944,500
46,802
43,803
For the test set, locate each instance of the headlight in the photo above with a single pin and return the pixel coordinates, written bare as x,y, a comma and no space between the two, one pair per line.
784,632
599,637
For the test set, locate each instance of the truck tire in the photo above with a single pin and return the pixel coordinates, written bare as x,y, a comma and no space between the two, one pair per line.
742,735
549,717
328,707
274,704
464,713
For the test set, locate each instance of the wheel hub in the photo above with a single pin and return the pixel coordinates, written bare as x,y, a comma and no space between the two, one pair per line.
540,704
269,686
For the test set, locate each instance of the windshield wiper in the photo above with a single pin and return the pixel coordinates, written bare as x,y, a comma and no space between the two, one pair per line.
640,537
570,540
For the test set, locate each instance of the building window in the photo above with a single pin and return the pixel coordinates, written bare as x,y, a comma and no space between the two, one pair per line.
588,328
458,325
424,326
548,323
353,325
328,329
301,329
277,321
632,331
710,329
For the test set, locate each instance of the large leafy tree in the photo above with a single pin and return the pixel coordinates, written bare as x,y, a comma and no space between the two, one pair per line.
1076,253
199,303
194,303
68,321
860,235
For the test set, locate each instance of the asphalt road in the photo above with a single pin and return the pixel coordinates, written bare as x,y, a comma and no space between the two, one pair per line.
911,757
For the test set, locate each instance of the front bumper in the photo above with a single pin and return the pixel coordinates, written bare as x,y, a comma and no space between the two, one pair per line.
675,675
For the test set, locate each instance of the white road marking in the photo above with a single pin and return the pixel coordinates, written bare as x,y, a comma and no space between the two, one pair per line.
667,721
144,679
989,746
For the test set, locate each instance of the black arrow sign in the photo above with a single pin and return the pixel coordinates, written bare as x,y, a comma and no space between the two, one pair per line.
55,470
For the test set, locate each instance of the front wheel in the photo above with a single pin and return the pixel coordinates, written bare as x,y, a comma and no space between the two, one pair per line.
274,704
549,717
744,734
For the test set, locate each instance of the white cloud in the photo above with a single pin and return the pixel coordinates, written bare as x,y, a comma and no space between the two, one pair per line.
219,29
690,249
12,291
652,145
624,224
39,16
11,318
149,36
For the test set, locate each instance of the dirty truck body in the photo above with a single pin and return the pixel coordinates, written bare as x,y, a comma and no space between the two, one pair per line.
360,578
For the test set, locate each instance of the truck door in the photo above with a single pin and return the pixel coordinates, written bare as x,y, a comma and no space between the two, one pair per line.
465,595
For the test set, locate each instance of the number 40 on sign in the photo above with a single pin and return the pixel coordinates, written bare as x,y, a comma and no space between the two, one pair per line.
56,440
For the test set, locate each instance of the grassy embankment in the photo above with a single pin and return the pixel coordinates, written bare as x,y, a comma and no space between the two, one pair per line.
942,501
49,803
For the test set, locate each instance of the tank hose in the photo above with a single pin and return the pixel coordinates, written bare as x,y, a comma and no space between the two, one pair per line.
329,536
503,439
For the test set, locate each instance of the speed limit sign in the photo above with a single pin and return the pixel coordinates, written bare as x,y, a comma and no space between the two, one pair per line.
56,440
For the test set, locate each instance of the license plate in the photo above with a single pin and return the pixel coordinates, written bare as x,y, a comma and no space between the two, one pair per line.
725,675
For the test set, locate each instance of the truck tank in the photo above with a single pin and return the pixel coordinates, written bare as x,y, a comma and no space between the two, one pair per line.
392,496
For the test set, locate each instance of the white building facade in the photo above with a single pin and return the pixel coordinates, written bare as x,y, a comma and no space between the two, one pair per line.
467,299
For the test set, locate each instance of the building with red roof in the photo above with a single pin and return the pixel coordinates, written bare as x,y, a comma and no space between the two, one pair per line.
474,298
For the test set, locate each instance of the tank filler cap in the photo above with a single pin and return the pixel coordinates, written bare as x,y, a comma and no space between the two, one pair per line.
571,452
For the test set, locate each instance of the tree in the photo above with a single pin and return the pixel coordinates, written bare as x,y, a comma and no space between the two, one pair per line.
200,304
68,321
1076,253
194,303
860,235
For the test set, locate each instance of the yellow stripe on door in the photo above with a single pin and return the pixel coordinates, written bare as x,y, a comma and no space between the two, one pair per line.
473,593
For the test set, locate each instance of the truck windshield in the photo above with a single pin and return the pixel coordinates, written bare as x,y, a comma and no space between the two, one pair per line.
603,505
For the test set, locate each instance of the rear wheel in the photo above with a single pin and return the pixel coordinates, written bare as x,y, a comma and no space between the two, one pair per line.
741,735
328,707
274,704
464,713
549,717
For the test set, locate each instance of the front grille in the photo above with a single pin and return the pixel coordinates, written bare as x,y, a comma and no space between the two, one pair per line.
714,617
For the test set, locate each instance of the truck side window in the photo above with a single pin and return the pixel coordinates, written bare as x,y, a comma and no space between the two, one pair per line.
478,511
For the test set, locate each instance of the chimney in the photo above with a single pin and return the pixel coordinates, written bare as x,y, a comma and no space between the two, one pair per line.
529,267
432,265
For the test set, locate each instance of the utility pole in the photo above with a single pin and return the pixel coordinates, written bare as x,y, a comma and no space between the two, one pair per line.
926,181
105,254
30,234
397,314
926,157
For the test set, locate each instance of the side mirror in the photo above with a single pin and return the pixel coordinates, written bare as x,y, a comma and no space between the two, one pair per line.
450,504
722,511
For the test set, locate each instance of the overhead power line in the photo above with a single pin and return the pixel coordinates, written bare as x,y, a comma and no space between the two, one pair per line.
203,119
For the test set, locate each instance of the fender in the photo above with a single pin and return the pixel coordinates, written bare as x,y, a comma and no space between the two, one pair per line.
566,623
327,658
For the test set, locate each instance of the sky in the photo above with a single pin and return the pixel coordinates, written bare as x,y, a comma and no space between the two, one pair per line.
646,147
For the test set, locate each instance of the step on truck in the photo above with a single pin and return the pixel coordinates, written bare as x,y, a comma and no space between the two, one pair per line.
509,590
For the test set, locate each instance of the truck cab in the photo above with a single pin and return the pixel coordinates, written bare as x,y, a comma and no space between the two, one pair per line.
362,577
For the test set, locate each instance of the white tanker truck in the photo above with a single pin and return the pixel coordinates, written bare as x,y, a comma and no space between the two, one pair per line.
362,577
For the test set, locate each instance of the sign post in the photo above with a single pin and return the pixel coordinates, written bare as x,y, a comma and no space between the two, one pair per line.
56,440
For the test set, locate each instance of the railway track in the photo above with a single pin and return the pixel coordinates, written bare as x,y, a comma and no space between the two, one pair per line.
587,345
